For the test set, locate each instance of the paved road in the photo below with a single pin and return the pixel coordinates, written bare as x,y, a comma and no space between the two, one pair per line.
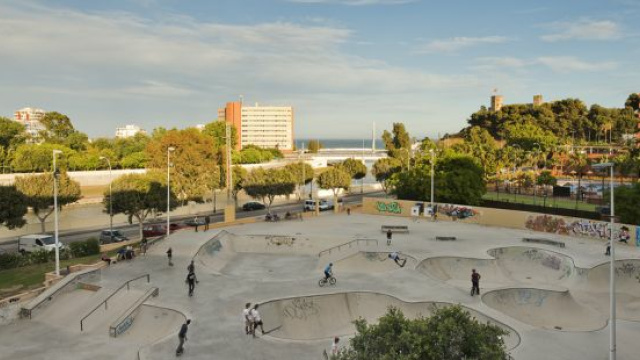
132,231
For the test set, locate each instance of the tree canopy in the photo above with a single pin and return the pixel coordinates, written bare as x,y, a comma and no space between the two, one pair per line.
449,333
334,179
383,169
267,184
627,199
11,133
138,196
38,192
14,207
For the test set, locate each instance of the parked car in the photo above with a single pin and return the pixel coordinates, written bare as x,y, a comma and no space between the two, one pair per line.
198,220
253,205
111,236
32,243
153,230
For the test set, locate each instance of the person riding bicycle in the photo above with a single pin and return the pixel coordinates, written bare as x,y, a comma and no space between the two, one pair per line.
328,271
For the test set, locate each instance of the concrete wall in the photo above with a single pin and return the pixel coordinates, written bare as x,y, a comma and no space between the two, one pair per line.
85,178
522,220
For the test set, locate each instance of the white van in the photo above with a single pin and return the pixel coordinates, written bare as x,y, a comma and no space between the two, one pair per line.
310,205
32,243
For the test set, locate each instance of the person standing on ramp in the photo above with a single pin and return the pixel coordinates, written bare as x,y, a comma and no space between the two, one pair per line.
389,236
475,282
182,336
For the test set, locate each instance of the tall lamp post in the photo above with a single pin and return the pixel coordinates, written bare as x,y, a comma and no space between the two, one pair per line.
169,150
433,160
612,273
110,197
55,209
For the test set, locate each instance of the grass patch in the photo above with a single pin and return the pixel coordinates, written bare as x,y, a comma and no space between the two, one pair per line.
14,281
539,200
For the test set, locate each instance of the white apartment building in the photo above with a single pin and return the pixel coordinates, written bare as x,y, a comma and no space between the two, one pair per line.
129,131
263,126
30,118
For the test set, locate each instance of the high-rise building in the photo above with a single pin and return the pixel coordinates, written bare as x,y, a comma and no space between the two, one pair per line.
496,102
30,118
537,100
263,126
129,131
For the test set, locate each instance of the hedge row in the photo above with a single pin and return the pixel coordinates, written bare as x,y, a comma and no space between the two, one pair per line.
75,250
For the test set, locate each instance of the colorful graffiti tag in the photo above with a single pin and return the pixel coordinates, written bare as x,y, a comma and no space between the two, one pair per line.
391,207
577,227
457,211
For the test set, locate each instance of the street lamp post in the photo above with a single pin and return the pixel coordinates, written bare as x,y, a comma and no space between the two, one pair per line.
433,160
169,150
55,209
110,197
612,273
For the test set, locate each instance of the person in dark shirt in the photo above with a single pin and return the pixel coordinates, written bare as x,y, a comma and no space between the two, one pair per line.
182,336
475,282
191,280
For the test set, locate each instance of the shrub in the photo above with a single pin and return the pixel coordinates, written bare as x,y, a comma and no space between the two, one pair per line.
88,247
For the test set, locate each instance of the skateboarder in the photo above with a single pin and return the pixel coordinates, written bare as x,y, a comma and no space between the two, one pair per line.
246,314
389,236
169,254
256,320
207,221
475,282
192,269
196,222
182,336
191,280
396,258
608,251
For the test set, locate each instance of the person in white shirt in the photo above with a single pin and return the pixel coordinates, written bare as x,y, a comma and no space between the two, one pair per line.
256,320
246,315
334,346
396,257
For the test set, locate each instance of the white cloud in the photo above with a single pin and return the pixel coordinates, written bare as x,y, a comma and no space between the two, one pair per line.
355,2
458,43
507,61
583,29
563,64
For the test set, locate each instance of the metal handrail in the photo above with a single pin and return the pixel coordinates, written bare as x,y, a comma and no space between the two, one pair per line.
338,247
111,295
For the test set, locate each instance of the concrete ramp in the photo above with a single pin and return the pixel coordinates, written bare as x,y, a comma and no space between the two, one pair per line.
325,316
153,323
548,309
509,266
371,262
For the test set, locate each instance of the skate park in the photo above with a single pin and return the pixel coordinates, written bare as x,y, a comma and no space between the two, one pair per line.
552,300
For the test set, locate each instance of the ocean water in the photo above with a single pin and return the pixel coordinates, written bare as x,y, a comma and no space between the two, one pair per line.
342,143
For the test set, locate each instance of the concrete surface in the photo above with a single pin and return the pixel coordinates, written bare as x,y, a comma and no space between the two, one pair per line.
275,264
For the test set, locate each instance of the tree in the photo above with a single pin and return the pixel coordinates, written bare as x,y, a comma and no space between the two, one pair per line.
138,196
459,179
38,192
239,176
302,173
38,157
355,168
14,207
11,133
58,126
314,146
193,158
449,333
633,101
383,169
217,130
546,179
267,184
627,199
334,179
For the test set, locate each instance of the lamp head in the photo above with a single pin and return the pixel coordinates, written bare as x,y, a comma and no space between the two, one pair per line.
171,148
55,152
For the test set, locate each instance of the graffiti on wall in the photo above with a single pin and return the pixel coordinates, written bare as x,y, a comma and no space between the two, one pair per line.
577,227
457,211
389,207
301,309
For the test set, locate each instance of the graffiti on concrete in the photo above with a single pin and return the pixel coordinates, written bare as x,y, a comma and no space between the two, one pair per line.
280,240
213,247
300,309
529,296
578,227
124,326
457,211
389,207
627,269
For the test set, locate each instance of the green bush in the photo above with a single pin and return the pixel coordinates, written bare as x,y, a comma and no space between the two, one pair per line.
88,247
10,261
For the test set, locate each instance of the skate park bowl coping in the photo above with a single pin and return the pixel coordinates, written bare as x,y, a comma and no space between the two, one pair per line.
372,262
318,317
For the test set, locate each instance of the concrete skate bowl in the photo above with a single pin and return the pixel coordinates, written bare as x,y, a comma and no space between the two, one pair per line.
592,288
258,257
509,266
371,262
152,323
320,317
547,309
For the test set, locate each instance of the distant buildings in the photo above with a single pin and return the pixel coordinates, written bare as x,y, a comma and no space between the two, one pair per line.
497,102
128,131
30,118
263,126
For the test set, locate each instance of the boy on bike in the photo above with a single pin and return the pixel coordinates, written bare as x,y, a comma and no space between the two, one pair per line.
328,271
475,282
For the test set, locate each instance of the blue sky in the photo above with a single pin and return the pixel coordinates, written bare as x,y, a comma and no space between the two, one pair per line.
343,64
